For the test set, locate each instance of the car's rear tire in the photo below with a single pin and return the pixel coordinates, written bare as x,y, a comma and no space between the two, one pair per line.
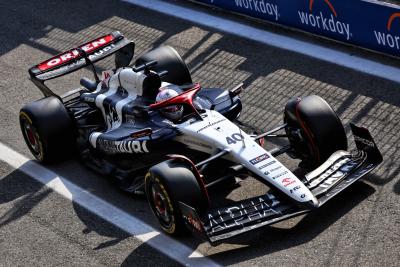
168,183
169,60
48,130
315,131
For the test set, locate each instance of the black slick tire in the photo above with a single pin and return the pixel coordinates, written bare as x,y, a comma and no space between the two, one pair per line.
168,183
48,130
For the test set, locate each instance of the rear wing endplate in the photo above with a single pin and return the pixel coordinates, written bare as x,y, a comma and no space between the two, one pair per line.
73,59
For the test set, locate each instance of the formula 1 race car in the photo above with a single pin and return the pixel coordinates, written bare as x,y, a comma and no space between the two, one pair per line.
154,131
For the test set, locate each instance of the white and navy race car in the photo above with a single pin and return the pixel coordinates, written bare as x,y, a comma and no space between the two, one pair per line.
152,130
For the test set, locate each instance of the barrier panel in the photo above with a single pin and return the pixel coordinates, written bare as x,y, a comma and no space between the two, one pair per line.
370,24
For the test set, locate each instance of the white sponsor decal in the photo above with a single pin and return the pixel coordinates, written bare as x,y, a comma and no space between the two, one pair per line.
123,146
387,39
364,141
267,164
275,169
211,124
297,187
329,24
88,99
74,53
258,209
279,175
337,175
259,6
330,171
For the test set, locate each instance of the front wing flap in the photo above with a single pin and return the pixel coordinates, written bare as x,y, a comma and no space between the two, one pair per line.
340,171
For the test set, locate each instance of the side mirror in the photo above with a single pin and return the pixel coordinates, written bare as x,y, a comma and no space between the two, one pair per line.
236,90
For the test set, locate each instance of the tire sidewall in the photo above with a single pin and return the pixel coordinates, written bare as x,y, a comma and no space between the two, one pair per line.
321,128
150,179
54,127
180,185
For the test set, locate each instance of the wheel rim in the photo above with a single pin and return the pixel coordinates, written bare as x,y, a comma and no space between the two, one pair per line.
161,205
32,137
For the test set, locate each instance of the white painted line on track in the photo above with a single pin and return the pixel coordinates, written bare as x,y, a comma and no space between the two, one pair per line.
273,39
127,222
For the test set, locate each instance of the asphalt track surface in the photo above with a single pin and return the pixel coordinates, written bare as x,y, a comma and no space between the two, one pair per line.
39,227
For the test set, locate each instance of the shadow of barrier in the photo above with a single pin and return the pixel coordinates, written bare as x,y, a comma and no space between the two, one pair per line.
96,214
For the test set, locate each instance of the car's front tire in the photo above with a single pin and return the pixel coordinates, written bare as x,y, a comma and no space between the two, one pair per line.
168,183
315,130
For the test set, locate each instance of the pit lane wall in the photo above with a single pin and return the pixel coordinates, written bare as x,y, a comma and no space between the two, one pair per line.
370,24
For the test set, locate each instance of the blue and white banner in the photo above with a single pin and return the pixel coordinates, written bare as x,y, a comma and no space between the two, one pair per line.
369,24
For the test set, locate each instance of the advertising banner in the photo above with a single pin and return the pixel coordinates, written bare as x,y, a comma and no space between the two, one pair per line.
369,24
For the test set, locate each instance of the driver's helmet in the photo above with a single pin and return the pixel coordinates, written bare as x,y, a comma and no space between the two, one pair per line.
173,112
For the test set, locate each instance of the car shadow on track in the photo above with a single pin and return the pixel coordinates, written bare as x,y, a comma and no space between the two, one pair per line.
272,239
22,194
27,193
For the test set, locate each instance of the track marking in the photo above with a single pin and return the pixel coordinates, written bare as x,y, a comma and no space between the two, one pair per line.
127,222
273,39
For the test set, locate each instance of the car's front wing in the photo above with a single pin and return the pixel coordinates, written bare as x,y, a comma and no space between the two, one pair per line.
340,171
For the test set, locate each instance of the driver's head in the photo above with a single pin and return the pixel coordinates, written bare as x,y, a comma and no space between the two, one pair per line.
173,112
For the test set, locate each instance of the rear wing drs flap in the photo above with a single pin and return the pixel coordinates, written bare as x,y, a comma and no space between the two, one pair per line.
76,58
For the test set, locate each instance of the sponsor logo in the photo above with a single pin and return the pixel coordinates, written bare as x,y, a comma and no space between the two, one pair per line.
330,171
193,222
337,175
259,159
130,119
73,64
280,175
288,181
294,189
209,125
324,22
350,179
267,164
123,146
250,211
73,54
387,38
266,173
260,6
275,169
364,141
88,99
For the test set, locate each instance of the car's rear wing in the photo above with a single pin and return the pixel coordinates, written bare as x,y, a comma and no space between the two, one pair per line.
76,58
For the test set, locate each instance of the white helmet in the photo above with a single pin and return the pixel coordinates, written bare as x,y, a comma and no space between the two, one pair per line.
173,112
